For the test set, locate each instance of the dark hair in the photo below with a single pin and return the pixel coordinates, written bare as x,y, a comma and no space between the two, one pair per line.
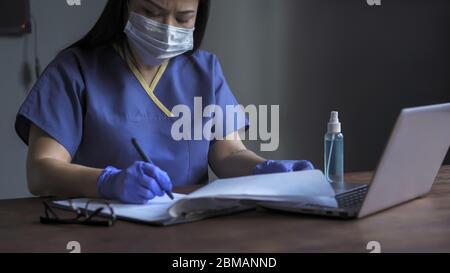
110,26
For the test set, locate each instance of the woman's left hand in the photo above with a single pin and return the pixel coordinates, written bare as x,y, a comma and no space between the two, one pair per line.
282,166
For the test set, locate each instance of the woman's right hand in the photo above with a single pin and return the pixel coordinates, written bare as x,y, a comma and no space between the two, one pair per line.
138,184
281,166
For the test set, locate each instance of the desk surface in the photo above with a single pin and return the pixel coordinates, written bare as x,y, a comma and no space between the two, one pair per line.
422,225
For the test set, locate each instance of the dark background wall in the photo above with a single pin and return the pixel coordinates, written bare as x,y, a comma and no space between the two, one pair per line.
314,56
308,56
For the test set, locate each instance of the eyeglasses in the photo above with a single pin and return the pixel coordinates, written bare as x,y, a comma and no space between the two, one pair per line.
95,213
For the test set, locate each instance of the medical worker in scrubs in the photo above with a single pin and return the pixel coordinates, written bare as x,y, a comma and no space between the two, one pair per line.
120,82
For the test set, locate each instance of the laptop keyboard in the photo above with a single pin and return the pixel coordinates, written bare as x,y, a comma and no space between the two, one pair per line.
352,199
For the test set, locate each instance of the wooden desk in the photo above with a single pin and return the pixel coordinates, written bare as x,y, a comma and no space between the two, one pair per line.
419,226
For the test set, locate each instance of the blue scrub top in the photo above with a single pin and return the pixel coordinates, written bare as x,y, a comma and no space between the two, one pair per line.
94,101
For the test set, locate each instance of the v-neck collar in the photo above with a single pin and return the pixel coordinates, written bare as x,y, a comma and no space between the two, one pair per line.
150,90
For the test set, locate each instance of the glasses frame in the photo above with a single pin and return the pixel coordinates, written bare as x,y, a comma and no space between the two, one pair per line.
82,216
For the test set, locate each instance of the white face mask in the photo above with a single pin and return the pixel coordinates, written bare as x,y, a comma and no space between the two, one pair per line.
155,42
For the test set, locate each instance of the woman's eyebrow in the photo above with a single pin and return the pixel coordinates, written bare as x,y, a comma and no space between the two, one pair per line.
150,2
164,9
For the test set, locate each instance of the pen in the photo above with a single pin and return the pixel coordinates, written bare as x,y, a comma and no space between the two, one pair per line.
146,159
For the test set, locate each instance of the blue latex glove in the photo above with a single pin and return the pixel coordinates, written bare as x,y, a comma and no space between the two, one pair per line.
138,184
282,166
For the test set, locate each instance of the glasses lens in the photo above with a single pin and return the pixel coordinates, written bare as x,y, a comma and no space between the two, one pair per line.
97,211
54,214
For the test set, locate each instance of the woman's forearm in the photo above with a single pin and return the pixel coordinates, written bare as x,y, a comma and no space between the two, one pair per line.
230,157
239,163
51,173
53,177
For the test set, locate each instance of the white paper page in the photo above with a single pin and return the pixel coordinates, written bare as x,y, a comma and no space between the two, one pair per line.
155,211
308,187
304,183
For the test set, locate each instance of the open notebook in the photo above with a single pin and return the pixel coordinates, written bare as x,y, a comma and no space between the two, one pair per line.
226,196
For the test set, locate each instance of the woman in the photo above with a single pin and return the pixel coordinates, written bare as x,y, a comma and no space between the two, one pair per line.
140,59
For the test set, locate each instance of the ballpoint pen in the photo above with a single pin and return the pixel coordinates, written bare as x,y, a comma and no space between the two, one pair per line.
146,159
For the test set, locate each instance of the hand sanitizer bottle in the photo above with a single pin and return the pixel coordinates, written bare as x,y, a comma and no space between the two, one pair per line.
334,151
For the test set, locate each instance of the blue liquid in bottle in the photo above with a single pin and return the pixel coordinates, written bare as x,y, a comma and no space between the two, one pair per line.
334,151
334,157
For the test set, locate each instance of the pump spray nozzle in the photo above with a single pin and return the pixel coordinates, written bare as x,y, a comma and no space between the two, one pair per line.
334,126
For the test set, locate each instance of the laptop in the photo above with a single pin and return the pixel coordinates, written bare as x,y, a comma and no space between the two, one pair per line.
406,171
